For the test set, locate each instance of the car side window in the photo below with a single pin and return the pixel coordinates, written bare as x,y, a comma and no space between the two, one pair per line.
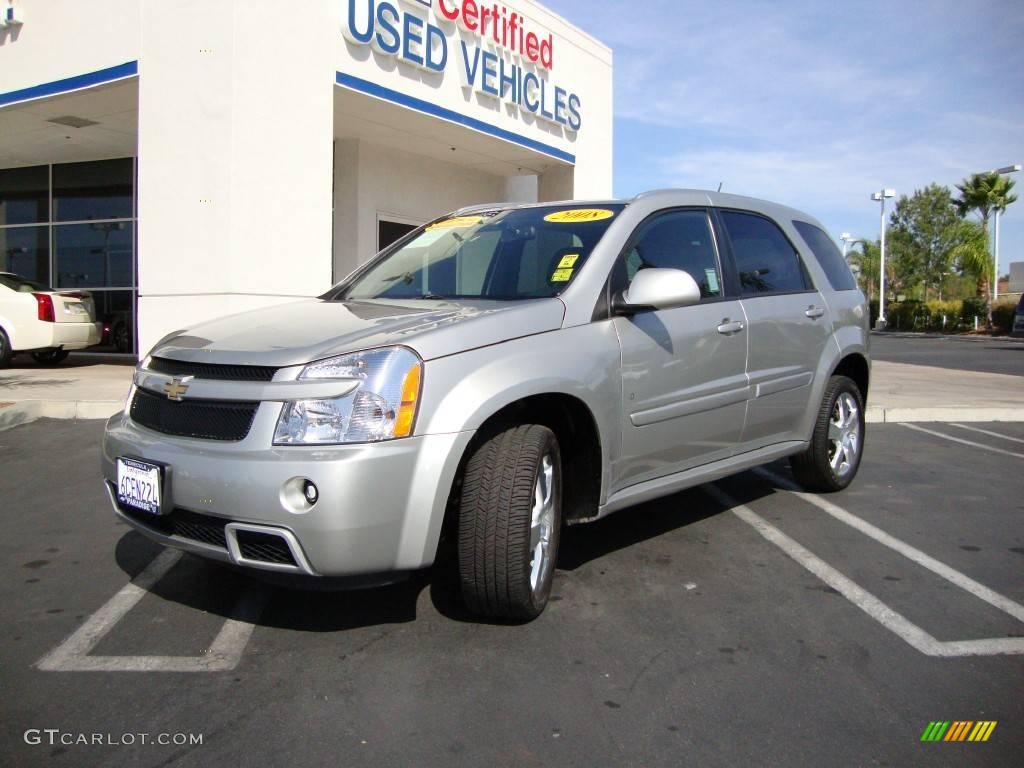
765,259
828,255
677,240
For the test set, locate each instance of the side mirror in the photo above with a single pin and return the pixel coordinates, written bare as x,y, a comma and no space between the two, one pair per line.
653,289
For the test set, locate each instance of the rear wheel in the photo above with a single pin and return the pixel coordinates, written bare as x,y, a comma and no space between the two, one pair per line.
6,353
51,356
832,459
510,517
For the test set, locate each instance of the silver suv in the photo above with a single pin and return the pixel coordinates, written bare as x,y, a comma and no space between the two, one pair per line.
495,375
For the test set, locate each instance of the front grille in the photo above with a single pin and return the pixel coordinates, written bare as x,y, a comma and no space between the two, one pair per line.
181,522
265,547
228,420
206,529
212,371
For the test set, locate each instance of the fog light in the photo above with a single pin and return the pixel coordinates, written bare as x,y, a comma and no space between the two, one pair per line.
299,495
310,492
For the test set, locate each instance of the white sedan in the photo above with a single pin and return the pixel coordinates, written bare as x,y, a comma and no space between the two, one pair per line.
47,323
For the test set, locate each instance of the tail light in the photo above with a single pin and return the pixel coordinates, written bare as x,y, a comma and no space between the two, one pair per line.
44,305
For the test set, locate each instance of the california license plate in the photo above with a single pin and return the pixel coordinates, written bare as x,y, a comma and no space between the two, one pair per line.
139,485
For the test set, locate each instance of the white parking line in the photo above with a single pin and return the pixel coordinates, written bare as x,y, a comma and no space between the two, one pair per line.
951,575
73,654
987,432
965,442
892,620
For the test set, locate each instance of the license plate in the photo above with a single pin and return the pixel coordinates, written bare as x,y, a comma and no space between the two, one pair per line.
139,485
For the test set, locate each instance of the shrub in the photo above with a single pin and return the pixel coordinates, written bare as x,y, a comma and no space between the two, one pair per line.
1002,314
976,306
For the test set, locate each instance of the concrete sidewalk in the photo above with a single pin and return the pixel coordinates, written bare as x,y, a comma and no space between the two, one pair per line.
88,387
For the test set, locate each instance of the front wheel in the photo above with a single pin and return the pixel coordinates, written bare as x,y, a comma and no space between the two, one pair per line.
510,518
50,356
833,457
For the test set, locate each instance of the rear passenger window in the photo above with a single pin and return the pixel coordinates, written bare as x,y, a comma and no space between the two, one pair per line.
678,240
828,256
765,260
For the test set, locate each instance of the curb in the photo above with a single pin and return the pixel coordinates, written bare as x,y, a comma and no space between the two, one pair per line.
879,415
24,411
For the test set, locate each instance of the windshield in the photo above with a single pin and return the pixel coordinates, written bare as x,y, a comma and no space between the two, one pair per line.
20,284
507,255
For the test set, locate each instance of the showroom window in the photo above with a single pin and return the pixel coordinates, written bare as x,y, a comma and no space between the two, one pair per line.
73,225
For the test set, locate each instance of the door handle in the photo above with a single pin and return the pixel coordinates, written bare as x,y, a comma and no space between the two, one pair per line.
814,312
728,328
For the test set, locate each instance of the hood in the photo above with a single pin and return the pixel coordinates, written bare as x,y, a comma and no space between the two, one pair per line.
301,332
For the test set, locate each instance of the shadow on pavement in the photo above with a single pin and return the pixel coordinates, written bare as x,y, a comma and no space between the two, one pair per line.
215,587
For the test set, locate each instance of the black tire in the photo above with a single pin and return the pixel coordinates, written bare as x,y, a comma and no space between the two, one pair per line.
51,356
495,515
122,338
6,352
813,468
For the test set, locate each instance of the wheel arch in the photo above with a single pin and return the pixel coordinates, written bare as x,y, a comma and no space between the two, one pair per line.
855,366
579,439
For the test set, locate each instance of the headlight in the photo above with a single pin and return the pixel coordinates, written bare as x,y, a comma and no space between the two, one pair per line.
381,407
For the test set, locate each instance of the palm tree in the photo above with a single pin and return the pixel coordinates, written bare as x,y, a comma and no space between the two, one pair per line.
866,262
985,193
971,254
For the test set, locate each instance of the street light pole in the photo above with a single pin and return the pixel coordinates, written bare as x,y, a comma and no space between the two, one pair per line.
995,240
881,197
847,238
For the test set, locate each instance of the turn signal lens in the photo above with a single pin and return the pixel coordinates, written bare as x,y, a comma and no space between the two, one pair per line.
407,408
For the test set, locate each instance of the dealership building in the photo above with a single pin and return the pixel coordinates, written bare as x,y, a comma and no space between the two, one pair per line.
185,159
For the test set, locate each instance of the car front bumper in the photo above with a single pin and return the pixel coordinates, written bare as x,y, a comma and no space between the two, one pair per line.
380,506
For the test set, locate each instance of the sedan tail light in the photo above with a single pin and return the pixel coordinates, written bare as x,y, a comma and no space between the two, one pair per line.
44,304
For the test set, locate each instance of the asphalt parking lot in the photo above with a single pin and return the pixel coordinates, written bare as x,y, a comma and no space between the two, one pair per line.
966,353
736,624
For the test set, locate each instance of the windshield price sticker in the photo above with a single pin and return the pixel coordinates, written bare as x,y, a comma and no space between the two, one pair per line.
579,216
561,276
460,222
568,261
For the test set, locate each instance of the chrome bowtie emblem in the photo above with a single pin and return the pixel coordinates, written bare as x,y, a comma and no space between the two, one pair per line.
177,387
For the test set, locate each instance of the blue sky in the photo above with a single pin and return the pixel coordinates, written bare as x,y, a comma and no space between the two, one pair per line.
815,104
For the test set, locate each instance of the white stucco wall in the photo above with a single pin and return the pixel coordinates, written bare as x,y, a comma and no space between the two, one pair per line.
235,145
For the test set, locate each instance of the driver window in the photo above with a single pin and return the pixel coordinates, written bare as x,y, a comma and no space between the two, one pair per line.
678,240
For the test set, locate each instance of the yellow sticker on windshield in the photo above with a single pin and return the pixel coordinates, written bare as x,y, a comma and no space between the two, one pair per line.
561,276
579,216
568,261
457,223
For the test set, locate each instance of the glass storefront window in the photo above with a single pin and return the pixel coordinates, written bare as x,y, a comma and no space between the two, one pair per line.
116,310
24,195
96,190
25,251
96,255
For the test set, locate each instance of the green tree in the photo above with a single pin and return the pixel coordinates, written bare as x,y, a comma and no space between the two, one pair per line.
984,194
923,235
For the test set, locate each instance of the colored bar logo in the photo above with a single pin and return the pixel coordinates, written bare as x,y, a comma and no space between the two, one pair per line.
958,730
